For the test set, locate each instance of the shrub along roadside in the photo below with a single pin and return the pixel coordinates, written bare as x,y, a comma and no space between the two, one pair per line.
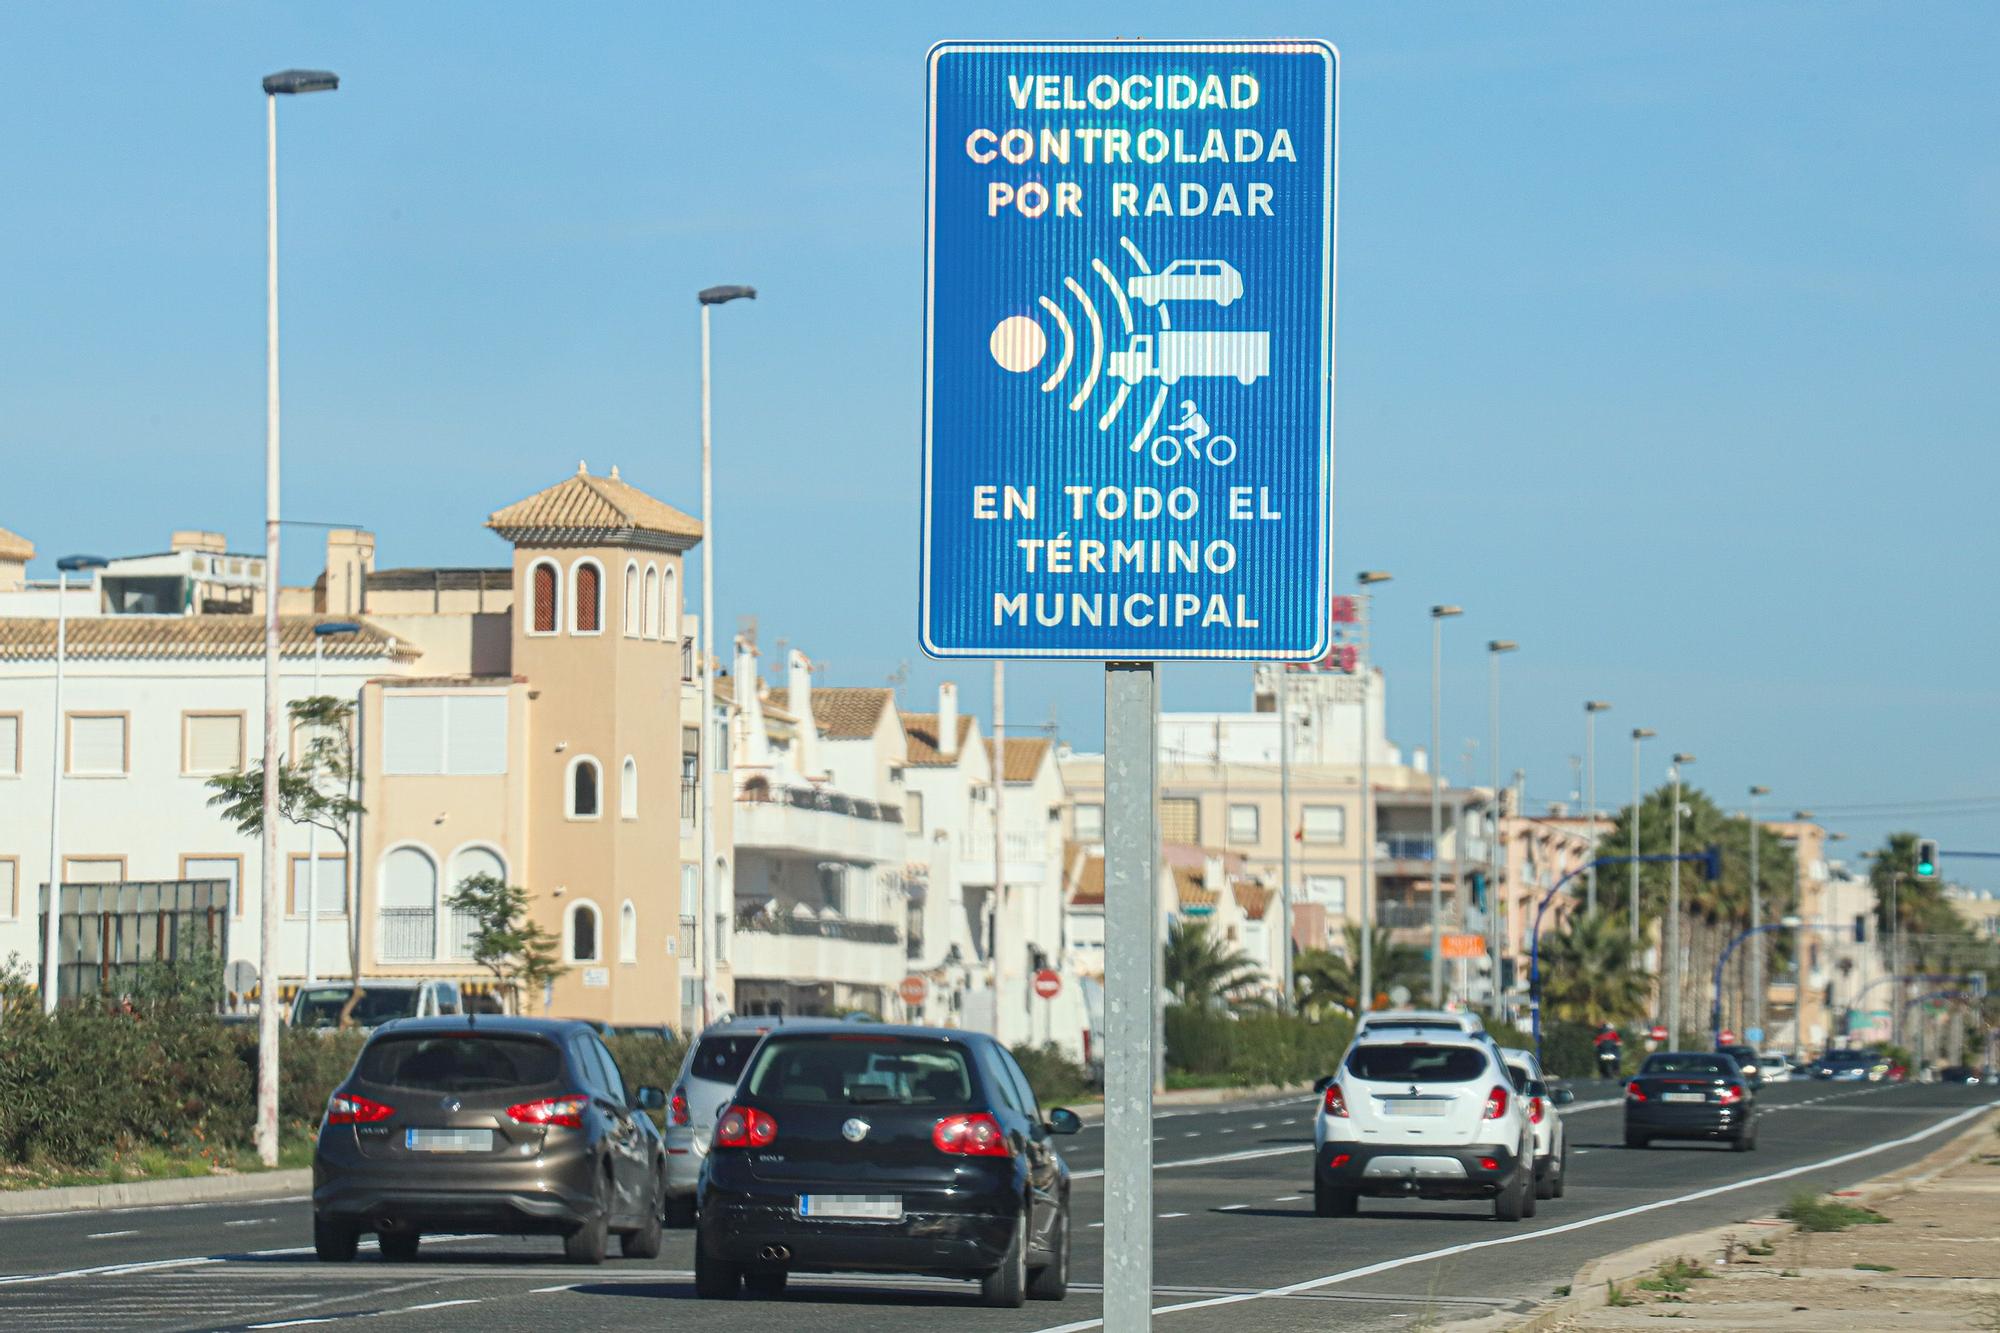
1252,1048
1055,1077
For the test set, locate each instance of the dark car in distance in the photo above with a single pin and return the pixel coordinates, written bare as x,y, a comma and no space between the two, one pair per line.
1845,1066
884,1149
1746,1059
511,1125
1690,1095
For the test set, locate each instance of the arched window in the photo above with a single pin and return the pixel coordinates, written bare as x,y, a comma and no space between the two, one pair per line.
589,596
586,783
409,906
632,608
652,601
547,590
628,789
467,863
670,607
718,913
583,942
628,933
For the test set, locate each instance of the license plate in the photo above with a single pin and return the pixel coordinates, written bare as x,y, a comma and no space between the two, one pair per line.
1684,1097
852,1207
1427,1107
448,1140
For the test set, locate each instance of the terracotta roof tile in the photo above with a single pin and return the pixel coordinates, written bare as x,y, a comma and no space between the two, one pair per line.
1253,899
1024,756
138,637
596,509
13,546
920,731
1084,873
845,712
1192,893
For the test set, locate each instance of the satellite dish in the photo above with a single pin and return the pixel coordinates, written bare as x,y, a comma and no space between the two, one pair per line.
1399,995
242,977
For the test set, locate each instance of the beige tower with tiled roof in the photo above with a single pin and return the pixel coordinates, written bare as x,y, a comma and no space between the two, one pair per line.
15,553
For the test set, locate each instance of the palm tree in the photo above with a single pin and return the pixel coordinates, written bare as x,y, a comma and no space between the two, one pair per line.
1324,977
1203,972
1591,971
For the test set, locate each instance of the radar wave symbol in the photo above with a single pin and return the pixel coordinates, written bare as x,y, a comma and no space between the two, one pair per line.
1020,343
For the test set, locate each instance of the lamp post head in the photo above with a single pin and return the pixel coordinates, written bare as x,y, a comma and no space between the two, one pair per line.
73,564
1368,576
1791,921
1803,816
723,294
289,82
1760,791
1440,612
1596,706
1502,646
1643,733
327,628
1683,759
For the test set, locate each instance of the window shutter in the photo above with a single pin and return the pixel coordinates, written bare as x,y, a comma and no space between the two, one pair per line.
545,599
1180,819
10,745
214,743
97,745
589,603
10,874
413,733
475,729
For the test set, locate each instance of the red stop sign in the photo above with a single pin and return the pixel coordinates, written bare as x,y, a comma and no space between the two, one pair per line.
913,989
1728,1037
1048,984
1659,1032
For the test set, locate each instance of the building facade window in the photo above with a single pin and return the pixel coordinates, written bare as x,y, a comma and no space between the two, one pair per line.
628,789
546,588
228,867
1180,819
408,911
586,781
913,813
467,863
581,933
632,602
10,745
1328,890
10,887
445,735
1243,823
670,604
690,774
93,869
589,597
332,877
99,745
211,743
1323,823
628,933
652,601
1089,821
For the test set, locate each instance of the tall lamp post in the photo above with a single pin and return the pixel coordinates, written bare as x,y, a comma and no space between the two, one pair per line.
322,631
1591,708
1639,736
1438,616
1753,1017
1494,649
286,83
1674,916
1365,1001
709,297
52,921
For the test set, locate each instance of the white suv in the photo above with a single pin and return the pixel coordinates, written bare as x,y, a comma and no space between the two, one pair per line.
1429,1115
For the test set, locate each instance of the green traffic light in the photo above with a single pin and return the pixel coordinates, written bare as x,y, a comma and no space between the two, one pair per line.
1926,868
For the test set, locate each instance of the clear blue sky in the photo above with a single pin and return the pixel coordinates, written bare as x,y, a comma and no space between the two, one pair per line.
1667,336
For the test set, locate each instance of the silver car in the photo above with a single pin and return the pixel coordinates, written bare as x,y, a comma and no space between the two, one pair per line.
704,1085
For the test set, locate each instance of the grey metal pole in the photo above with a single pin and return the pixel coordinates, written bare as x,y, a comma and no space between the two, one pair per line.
1438,613
1284,835
1639,735
312,851
1590,711
1132,953
1754,1011
52,919
704,888
1495,863
1366,915
1674,917
267,943
1001,979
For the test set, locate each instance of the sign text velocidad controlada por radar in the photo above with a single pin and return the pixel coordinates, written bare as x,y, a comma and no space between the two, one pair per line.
1148,145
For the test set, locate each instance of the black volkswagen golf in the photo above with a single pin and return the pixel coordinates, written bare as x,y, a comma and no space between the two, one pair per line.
1688,1095
885,1149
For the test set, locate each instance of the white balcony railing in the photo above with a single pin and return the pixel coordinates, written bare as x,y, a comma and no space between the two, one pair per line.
837,827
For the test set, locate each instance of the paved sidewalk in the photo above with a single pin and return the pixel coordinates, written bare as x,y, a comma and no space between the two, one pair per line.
1935,1264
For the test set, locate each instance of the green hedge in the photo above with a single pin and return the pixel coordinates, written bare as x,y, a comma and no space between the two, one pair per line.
1254,1049
1054,1076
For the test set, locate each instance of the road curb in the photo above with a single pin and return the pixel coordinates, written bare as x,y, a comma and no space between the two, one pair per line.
1590,1286
142,1193
1199,1097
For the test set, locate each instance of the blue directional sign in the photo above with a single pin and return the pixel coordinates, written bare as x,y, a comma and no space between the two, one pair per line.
1128,350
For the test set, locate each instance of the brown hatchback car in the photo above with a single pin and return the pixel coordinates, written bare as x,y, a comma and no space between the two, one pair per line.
513,1125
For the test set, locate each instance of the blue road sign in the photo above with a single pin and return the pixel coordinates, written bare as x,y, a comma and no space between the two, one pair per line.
1128,350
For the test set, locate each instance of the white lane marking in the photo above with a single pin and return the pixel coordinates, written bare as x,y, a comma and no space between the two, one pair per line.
1164,1216
1261,1125
538,1291
105,1270
434,1305
1581,1224
1228,1131
109,1235
250,1222
294,1323
1231,1207
1247,1155
1192,1134
1288,1198
1096,1226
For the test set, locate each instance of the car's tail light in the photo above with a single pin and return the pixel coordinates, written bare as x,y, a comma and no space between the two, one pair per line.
1634,1093
1496,1103
565,1111
348,1109
1731,1092
1489,1164
1339,1160
1535,1110
977,1135
677,1109
744,1127
1335,1105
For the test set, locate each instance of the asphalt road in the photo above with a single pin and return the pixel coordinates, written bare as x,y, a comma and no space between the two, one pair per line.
1237,1245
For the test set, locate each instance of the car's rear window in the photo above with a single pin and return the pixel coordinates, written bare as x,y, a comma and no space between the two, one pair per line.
321,1006
1686,1064
721,1059
860,1070
440,1063
1416,1063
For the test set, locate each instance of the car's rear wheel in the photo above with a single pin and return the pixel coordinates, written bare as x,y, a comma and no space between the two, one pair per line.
715,1279
766,1284
1530,1195
1545,1181
1006,1287
587,1244
1513,1202
645,1242
1633,1140
1747,1140
334,1242
399,1246
1561,1186
1050,1282
1331,1202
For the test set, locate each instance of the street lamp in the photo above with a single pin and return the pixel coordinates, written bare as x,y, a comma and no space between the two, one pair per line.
709,297
322,631
1494,649
1365,1001
1674,916
1755,1009
1639,735
285,83
1591,708
51,946
1438,616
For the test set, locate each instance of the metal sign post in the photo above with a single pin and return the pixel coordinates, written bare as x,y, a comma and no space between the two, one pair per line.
1128,426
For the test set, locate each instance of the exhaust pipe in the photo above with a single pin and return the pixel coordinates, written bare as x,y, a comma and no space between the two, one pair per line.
775,1254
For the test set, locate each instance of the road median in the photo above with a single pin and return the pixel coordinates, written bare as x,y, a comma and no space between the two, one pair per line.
155,1193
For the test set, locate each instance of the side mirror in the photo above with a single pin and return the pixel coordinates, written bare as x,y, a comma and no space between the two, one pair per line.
1321,1085
1624,1079
1062,1120
650,1098
1564,1094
